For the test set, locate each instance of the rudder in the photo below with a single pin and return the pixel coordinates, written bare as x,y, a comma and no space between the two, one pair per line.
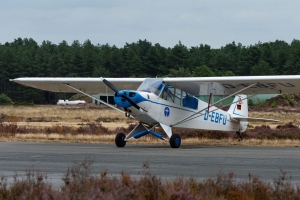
239,107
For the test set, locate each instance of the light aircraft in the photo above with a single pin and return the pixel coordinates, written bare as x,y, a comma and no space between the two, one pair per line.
171,102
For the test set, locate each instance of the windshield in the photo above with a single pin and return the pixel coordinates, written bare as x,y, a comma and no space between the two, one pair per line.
153,85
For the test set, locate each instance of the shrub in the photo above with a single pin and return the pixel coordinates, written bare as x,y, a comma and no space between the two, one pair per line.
273,104
9,129
4,99
250,102
92,129
261,102
23,103
80,183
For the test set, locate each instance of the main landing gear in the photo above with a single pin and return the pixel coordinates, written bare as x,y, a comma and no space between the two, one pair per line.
140,131
175,141
120,140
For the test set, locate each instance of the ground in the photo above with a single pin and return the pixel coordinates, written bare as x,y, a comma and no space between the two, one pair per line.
91,123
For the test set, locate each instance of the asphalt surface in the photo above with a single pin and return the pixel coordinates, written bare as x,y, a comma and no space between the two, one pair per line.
201,162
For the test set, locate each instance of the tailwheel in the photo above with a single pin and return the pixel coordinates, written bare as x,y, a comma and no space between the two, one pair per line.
119,140
175,141
239,134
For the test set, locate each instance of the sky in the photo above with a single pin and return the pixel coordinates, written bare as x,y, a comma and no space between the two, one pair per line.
117,22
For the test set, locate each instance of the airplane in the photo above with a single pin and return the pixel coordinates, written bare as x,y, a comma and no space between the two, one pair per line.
171,102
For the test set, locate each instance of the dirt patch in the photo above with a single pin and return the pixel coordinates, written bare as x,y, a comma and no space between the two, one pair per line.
284,100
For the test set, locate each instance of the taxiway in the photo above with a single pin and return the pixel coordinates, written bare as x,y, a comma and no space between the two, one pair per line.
200,162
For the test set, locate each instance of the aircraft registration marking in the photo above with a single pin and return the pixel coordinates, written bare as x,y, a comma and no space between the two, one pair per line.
215,117
259,85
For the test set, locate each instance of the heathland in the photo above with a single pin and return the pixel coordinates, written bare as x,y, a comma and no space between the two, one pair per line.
99,124
96,124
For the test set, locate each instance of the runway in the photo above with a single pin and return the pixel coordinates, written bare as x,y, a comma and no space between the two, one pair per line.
198,161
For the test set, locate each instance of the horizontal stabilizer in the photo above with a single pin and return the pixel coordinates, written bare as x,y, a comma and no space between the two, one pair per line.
252,119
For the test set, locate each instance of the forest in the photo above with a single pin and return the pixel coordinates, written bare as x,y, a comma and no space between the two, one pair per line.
26,58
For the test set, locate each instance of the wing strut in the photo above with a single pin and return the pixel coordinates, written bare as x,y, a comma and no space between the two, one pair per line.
209,102
187,118
107,104
234,119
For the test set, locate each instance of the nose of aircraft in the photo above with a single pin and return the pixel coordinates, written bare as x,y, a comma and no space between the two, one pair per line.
134,96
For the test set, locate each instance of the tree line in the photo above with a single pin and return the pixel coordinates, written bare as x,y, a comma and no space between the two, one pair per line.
26,58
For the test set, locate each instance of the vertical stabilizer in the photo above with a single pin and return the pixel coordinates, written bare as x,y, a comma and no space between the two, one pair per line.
240,107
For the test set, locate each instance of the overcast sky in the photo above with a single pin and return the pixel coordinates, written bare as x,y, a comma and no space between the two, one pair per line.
193,22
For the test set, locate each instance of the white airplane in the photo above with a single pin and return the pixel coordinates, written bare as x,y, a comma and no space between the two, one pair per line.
171,102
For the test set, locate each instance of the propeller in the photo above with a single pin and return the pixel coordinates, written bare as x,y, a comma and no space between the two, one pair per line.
111,86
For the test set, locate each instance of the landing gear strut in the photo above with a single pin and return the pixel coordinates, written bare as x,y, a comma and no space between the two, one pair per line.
175,141
142,130
238,133
119,140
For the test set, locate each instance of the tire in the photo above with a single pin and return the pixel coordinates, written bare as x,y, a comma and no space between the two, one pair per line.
119,140
175,141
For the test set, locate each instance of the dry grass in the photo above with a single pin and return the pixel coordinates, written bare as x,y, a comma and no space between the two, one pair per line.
98,124
285,115
62,114
82,138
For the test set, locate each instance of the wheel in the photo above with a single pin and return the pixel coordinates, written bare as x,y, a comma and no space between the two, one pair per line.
239,134
175,141
119,140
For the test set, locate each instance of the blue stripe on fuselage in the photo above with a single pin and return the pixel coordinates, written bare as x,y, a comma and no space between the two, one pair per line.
142,99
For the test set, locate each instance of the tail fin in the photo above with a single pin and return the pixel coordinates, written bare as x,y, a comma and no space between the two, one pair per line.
239,111
239,108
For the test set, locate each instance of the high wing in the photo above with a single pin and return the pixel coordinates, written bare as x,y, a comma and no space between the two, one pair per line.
193,85
229,85
87,85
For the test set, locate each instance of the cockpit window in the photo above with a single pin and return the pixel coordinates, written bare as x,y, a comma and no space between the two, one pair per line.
172,94
153,85
179,97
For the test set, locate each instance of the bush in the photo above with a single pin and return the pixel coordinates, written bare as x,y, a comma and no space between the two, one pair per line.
23,103
80,183
274,104
4,99
250,102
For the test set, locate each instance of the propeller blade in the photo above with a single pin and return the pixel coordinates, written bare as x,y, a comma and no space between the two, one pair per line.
110,85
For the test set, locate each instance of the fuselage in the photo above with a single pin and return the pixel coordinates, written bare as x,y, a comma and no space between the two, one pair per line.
159,110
